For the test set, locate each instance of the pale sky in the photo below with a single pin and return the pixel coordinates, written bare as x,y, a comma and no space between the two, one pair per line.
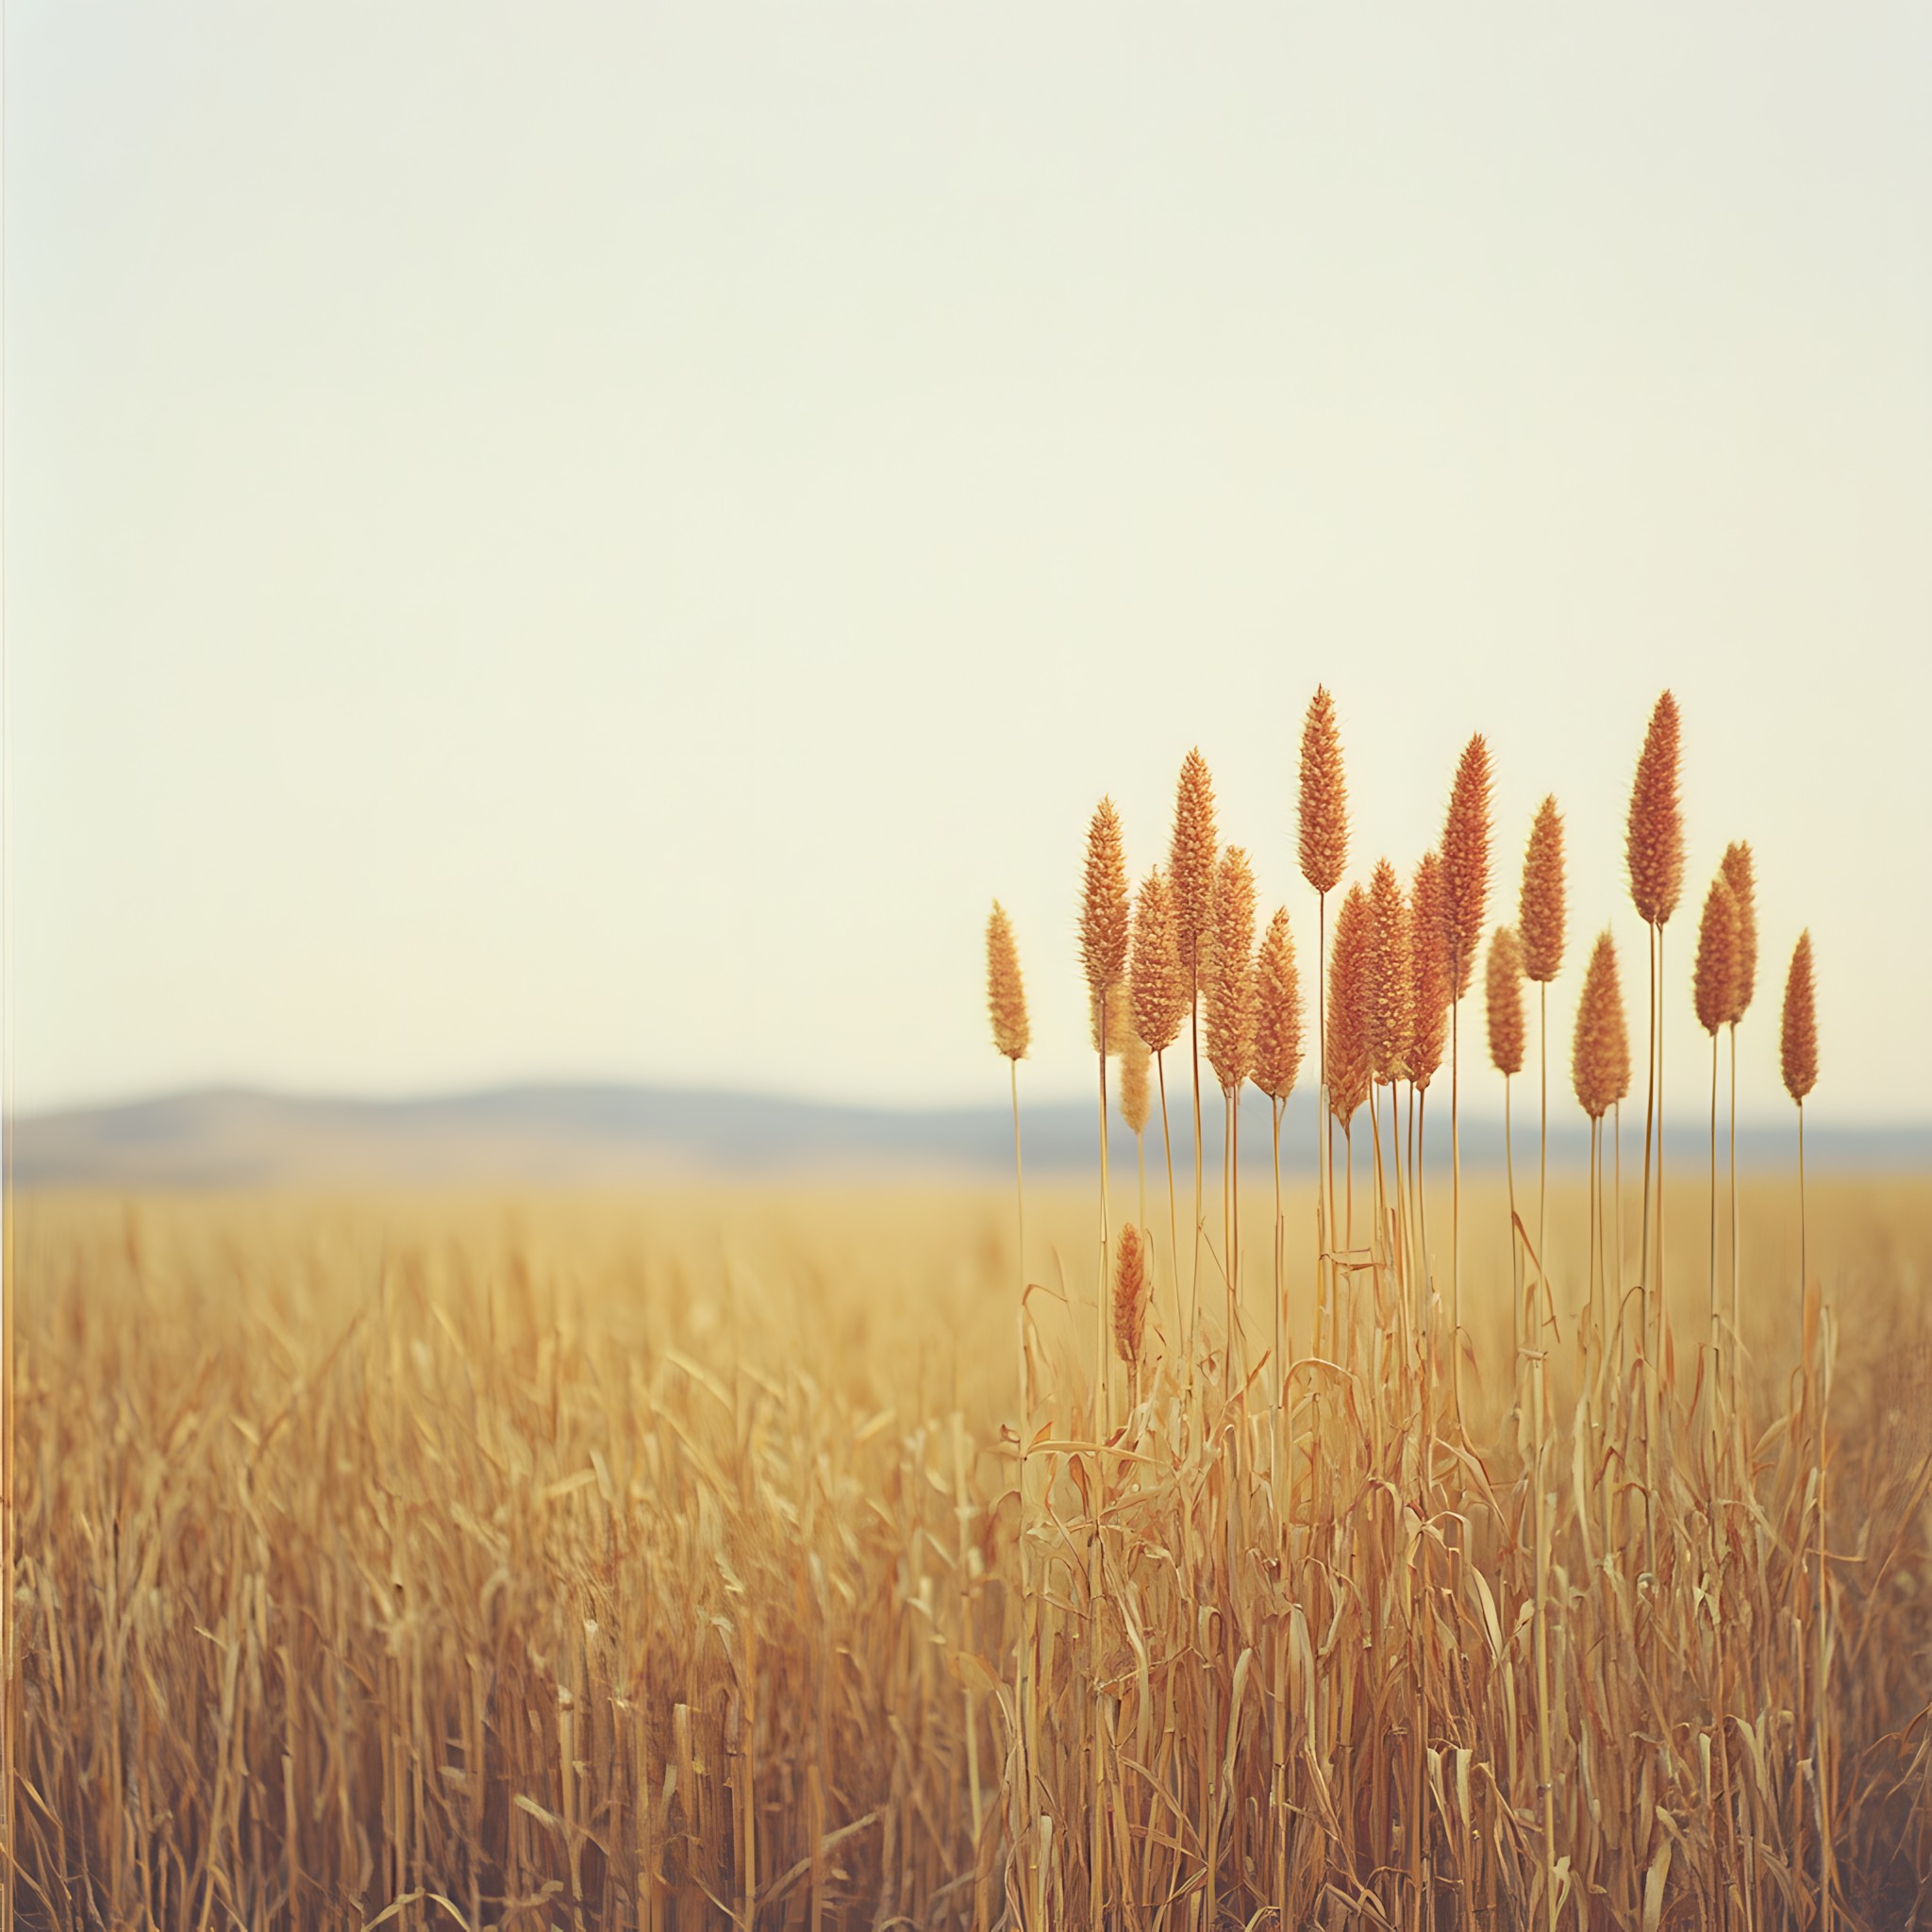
591,543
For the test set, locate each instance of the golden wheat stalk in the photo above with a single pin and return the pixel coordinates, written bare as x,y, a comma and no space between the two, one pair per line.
1714,994
1104,929
1465,898
1323,851
1738,871
1428,1035
1007,1001
1193,854
1158,993
1277,1064
1539,922
1391,1017
1231,1020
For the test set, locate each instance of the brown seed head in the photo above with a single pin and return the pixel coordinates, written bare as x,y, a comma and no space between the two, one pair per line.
1429,968
1136,1100
1503,987
1349,957
1156,985
1103,902
1004,995
1540,908
1323,797
1600,1060
1719,956
1799,1042
1739,872
1392,977
1191,866
1278,1011
1466,861
1132,1290
1655,846
1229,973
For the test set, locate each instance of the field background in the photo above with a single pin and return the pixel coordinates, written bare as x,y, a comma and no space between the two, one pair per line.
564,1558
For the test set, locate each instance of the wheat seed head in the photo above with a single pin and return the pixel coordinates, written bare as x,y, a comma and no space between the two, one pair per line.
1133,1289
1540,907
1103,902
1720,957
1324,796
1190,863
1798,1044
1430,967
1349,956
1004,995
1136,1097
1600,1060
1230,972
1156,985
1466,861
1737,869
1503,990
1391,976
1655,844
1277,1012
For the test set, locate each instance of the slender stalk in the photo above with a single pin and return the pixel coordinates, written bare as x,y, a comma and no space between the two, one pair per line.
1455,1208
1100,1371
1716,1337
1737,1308
1325,1180
1200,1210
1277,1457
1174,1252
1542,1135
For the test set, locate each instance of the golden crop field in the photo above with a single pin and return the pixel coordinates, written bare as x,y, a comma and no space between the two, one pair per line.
661,1560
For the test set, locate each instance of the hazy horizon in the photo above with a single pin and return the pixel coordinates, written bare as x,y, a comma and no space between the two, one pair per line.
566,549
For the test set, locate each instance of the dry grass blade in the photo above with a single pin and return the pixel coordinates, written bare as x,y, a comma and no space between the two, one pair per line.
1654,846
1540,907
1005,995
1323,797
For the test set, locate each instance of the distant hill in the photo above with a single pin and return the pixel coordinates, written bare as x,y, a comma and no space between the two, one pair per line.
569,1134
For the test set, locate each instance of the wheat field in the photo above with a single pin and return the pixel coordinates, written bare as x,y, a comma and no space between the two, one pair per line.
599,1560
1401,1547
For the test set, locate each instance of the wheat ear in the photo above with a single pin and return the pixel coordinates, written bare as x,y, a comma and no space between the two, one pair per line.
1191,856
1323,851
1539,922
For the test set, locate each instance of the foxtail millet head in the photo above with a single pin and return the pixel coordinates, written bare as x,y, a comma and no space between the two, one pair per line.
1798,1036
1502,987
1466,861
1277,1012
1190,862
1600,1059
1428,953
1349,956
1540,905
1739,871
1155,984
1391,977
1133,1289
1137,1097
1324,796
1103,902
1005,996
1228,972
1720,957
1654,844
